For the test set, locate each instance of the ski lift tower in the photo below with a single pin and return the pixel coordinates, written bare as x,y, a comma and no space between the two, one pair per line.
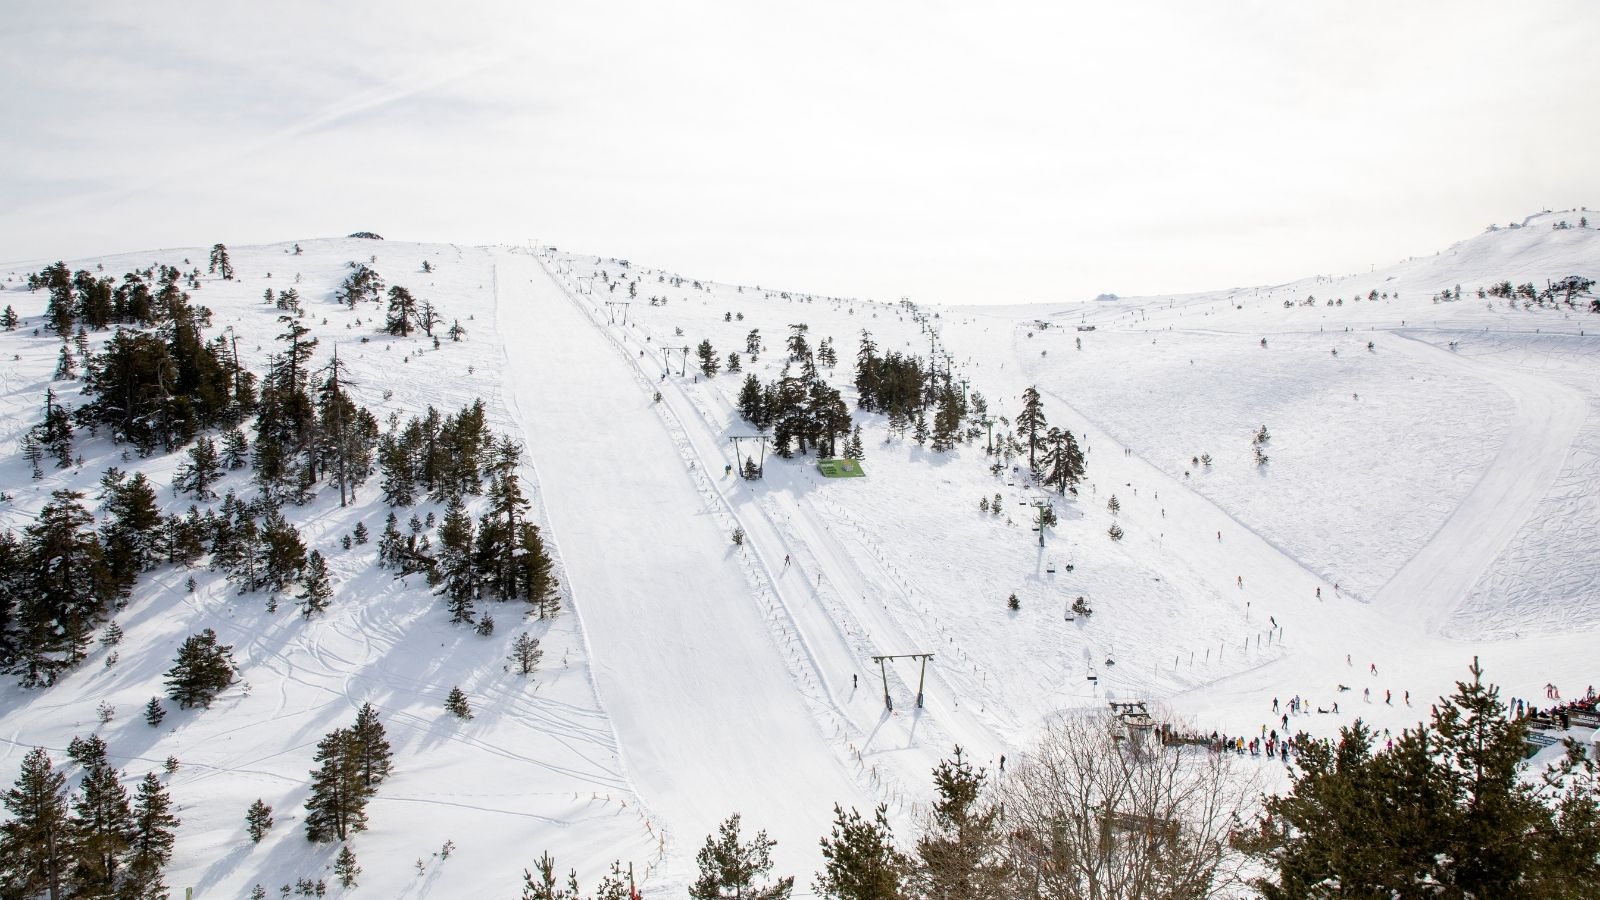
739,457
883,671
1136,719
611,311
1040,505
683,368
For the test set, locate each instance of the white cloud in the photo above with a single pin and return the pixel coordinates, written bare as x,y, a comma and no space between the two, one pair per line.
944,151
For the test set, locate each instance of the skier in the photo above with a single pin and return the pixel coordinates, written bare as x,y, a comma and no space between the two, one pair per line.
1366,694
1386,697
1241,581
1319,593
1002,762
786,562
1219,537
1374,668
854,683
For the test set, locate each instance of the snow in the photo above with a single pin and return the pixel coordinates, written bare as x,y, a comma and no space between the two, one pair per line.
1439,490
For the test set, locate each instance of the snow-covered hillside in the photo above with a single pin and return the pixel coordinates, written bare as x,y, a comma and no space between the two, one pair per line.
1429,495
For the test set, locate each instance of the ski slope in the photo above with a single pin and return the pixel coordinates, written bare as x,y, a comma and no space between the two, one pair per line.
1428,500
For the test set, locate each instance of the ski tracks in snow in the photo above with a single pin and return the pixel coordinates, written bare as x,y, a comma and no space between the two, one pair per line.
1430,586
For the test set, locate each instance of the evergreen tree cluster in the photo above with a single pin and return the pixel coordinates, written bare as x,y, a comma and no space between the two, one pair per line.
407,313
160,387
352,763
501,556
63,576
55,589
203,669
96,841
82,300
541,883
1448,810
361,285
435,456
802,410
907,388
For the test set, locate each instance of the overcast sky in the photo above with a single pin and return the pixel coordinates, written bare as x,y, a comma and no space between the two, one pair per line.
960,152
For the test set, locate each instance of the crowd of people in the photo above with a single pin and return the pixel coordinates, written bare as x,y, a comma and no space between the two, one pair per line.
1557,715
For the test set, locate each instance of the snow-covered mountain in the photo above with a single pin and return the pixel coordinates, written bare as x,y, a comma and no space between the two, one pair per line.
1430,492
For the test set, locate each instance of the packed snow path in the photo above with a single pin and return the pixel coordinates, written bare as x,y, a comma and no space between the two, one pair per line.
1548,416
706,711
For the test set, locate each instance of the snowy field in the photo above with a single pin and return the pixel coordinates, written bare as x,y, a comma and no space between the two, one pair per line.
1426,500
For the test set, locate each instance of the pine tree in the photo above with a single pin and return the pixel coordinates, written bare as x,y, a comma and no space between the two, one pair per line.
33,452
860,861
962,850
286,415
60,313
131,539
337,805
284,554
543,885
752,343
733,363
1031,425
362,285
68,590
370,746
345,868
947,422
1063,461
391,546
536,578
202,471
102,829
428,318
66,369
799,349
709,364
154,712
526,654
402,312
9,320
1449,804
54,434
316,590
258,820
500,538
729,867
203,669
853,450
457,569
36,844
153,825
457,704
751,405
220,263
920,431
235,449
